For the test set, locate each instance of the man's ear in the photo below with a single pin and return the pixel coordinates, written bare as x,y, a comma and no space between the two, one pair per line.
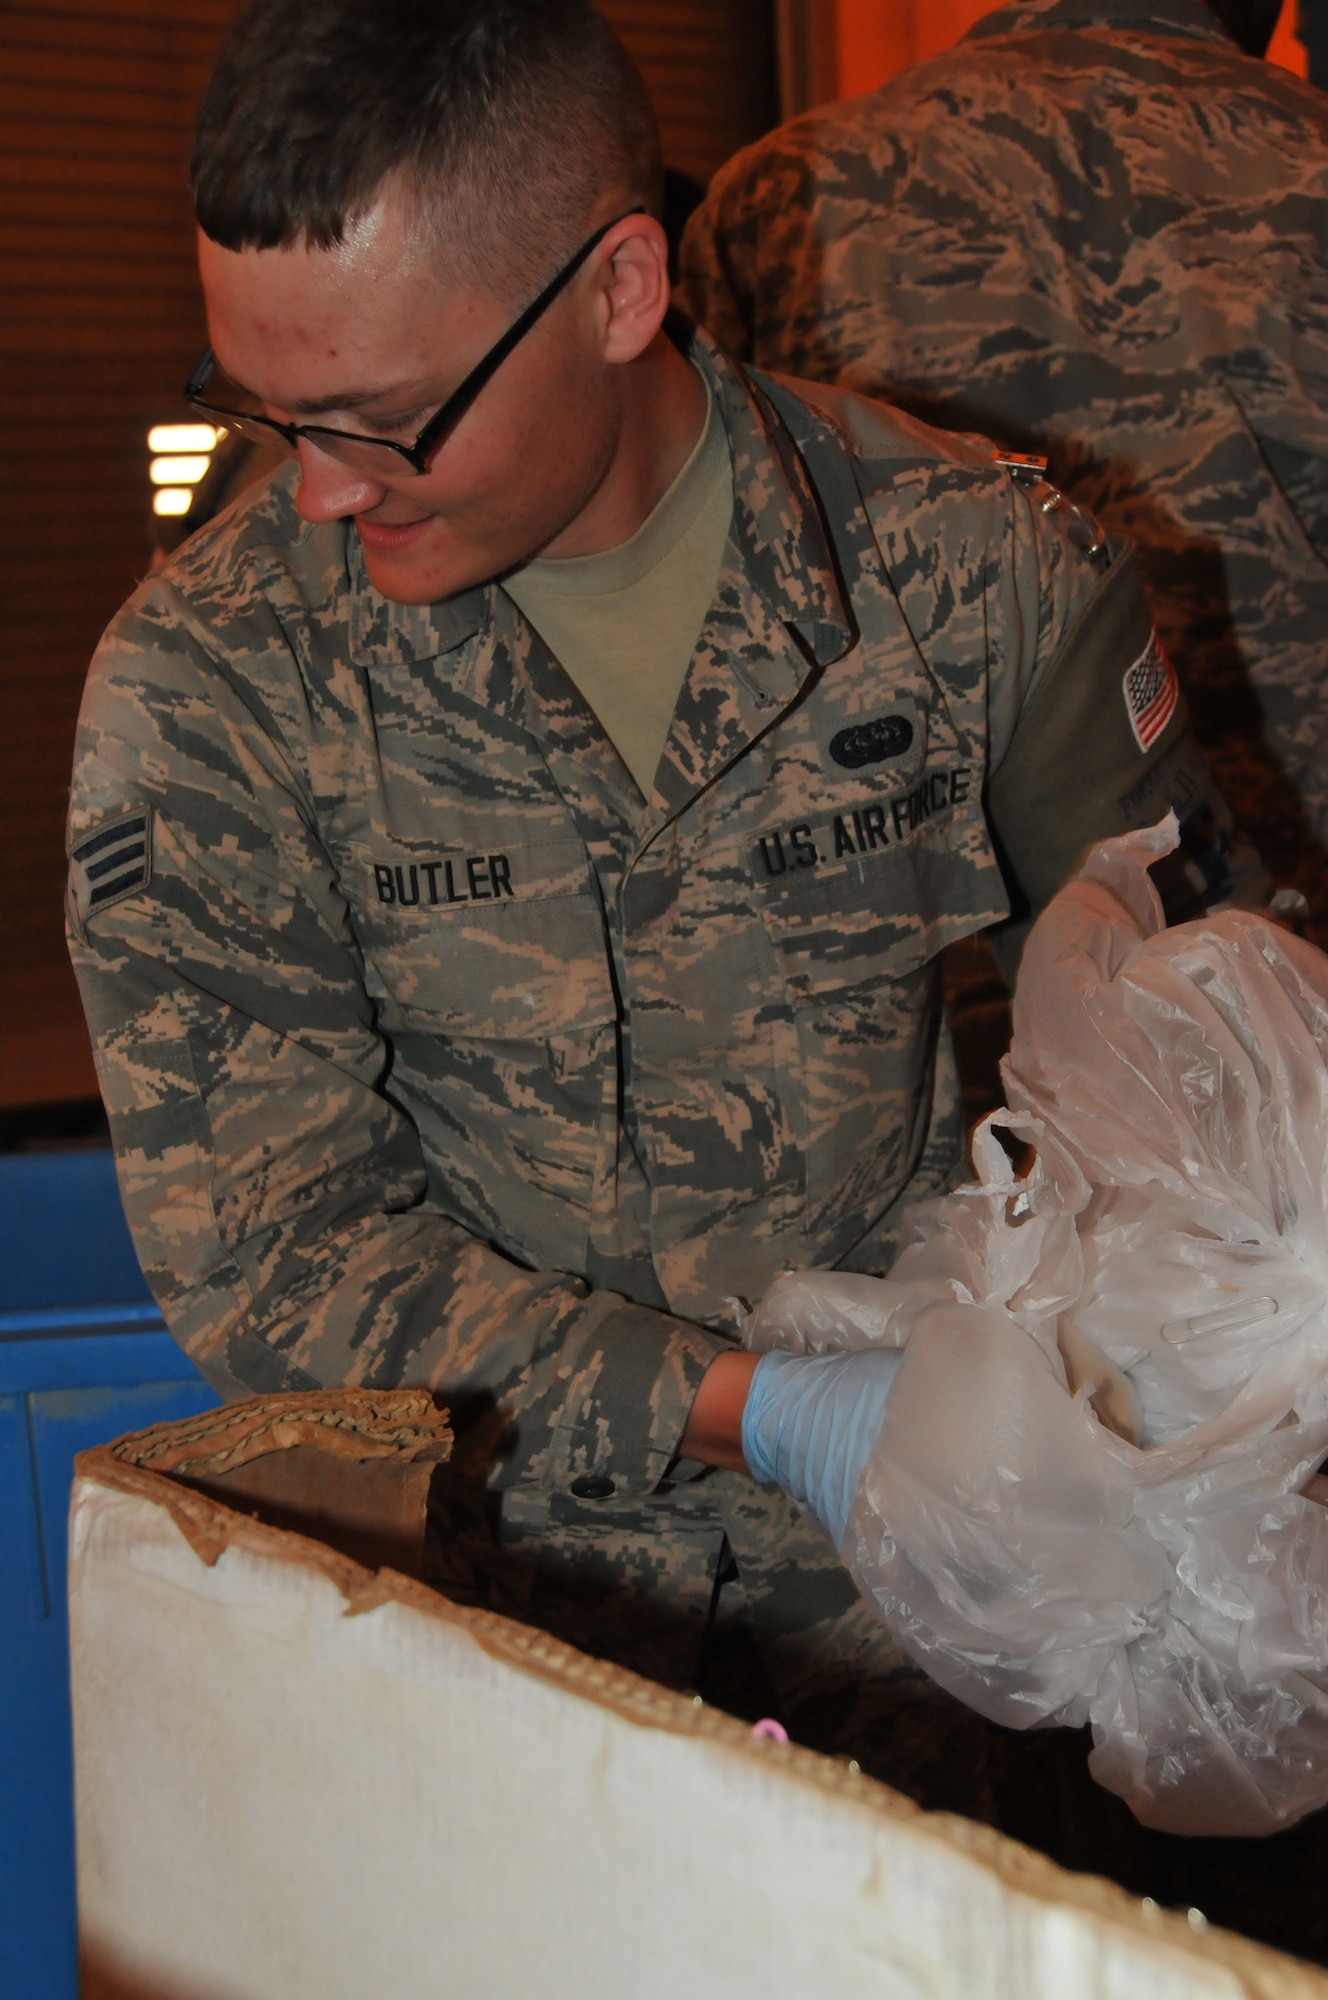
636,286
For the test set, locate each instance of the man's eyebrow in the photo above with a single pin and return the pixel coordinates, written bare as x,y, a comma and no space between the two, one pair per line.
349,399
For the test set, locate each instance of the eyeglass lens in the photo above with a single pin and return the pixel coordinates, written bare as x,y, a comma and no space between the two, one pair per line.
348,448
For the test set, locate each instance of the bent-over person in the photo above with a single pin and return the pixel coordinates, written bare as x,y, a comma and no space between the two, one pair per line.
511,846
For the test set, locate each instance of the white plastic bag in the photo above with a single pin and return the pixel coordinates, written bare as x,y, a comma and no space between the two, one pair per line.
1088,1501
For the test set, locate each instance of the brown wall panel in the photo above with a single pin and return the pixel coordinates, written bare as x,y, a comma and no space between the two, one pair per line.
710,66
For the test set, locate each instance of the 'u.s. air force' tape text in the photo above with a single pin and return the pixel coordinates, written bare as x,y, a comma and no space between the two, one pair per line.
863,829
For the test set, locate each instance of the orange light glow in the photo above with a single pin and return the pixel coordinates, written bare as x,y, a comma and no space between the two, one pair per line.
179,471
183,437
1284,49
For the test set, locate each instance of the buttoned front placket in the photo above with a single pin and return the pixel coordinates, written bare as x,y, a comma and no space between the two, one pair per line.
713,1049
603,802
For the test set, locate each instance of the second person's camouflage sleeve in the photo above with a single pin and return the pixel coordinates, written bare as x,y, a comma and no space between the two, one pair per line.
277,1196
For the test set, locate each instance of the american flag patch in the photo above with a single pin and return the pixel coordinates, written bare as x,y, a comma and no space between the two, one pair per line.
112,862
1151,693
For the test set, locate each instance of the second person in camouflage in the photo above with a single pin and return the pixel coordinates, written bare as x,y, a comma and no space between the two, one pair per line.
1098,229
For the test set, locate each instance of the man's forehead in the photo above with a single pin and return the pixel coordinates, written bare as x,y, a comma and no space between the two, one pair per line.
355,322
380,252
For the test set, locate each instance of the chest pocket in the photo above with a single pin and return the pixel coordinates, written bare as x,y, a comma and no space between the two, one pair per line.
869,892
505,945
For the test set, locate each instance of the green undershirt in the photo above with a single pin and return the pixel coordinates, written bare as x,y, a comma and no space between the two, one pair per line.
624,625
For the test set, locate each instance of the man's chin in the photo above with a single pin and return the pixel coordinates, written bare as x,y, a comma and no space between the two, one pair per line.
418,575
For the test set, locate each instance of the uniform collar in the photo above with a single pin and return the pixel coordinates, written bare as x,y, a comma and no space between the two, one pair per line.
776,523
1156,17
384,633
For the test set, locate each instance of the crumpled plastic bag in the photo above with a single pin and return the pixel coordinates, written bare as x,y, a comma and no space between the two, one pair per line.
1092,1499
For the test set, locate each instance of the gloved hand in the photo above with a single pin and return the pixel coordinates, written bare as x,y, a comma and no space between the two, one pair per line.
810,1421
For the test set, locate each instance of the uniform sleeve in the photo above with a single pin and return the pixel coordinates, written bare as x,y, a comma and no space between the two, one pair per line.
1090,734
275,1193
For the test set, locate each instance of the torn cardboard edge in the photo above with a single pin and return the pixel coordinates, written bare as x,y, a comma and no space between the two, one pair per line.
350,1468
356,1424
174,1466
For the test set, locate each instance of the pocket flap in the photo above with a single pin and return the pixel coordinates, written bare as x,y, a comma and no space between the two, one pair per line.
844,911
504,946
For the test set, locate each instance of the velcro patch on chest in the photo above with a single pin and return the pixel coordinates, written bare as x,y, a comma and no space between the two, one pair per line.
458,878
111,862
862,743
890,744
1151,693
403,885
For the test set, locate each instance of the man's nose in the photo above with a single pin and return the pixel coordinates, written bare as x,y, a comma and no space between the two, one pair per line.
328,490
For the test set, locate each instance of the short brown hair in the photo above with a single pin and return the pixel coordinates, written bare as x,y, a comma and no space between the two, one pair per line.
514,118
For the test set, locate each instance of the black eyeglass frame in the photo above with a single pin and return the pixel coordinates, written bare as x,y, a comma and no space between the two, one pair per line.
450,413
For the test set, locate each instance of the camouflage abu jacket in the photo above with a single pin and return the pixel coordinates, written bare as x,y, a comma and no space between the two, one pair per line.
430,1060
1093,228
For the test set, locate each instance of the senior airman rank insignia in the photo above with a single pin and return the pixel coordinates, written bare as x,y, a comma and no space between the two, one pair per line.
112,862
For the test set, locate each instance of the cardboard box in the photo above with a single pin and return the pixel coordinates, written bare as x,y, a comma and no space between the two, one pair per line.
304,1777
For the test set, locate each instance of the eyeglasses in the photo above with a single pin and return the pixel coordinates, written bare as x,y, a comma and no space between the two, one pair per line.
378,454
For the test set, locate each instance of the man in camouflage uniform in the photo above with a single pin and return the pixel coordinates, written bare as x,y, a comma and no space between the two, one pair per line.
1097,229
435,1053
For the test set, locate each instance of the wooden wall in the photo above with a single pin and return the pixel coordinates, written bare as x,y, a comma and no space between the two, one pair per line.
711,69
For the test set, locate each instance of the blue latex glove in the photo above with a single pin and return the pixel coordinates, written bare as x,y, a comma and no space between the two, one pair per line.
810,1422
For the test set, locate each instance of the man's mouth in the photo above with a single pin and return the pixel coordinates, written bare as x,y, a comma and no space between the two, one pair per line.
387,538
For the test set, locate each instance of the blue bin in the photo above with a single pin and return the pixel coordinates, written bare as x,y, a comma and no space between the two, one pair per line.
84,1355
